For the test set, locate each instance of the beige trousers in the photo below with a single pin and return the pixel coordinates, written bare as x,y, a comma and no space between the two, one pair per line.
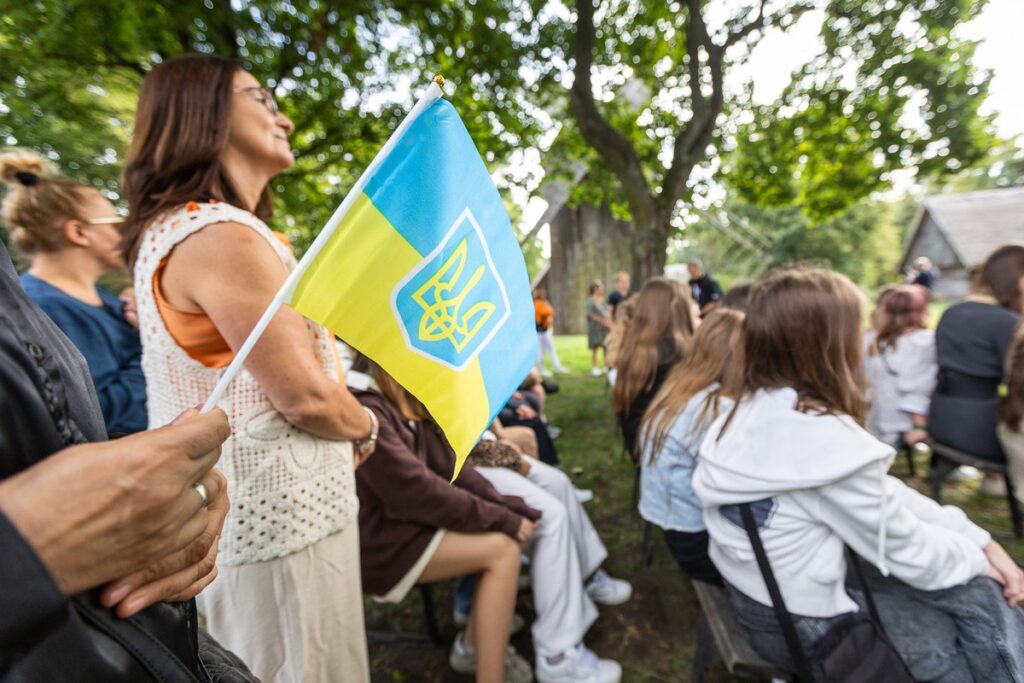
295,619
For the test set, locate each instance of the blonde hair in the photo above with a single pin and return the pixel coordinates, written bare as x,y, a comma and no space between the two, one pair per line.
38,201
715,355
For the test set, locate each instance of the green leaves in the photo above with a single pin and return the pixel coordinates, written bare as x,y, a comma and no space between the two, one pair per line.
894,89
345,73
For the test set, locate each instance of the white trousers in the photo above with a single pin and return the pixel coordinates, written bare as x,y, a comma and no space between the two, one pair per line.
546,346
563,552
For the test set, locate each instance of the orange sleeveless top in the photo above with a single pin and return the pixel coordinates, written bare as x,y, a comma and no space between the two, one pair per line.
193,331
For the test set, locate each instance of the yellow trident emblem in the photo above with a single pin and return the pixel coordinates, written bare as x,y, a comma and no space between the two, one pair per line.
443,318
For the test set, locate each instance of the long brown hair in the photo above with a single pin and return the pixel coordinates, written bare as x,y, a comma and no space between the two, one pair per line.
714,355
1011,408
1001,275
407,404
181,131
803,331
658,333
904,309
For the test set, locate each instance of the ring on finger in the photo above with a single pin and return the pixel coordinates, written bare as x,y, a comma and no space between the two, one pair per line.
204,495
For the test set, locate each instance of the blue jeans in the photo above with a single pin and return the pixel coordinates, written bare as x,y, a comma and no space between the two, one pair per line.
465,590
966,633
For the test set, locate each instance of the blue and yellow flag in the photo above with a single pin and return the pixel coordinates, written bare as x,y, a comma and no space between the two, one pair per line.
424,275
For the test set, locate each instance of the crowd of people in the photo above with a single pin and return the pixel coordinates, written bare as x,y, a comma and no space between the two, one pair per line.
338,479
777,405
320,479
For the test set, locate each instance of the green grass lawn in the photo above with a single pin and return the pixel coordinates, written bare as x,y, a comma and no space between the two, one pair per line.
653,635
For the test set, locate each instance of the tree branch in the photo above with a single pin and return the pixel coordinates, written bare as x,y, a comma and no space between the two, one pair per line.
762,21
693,137
610,144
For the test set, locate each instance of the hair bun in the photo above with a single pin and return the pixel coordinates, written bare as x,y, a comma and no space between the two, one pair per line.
24,167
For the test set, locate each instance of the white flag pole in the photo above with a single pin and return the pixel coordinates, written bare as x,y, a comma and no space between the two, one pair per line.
432,94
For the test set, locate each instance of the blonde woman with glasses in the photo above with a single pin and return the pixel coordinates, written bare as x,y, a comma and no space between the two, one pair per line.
71,236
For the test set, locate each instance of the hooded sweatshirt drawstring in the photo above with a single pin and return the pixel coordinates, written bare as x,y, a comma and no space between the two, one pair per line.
883,516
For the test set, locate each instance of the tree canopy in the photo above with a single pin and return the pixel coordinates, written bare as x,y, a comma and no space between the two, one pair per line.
891,87
345,74
640,90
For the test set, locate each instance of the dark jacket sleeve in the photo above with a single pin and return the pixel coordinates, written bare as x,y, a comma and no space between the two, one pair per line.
120,383
407,489
31,604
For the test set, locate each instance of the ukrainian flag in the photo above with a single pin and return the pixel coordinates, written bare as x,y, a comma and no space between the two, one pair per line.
424,275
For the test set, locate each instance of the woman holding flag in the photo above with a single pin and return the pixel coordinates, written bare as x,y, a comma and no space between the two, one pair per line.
208,139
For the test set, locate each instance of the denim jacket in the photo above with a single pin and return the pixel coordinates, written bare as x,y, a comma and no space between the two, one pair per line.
666,492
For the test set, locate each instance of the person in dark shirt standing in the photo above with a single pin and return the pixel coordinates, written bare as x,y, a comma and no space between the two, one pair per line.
923,273
620,293
706,291
70,233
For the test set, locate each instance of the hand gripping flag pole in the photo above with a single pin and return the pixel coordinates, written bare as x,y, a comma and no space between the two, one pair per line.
284,295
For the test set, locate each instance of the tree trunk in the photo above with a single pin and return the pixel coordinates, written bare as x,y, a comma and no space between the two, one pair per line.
587,244
650,247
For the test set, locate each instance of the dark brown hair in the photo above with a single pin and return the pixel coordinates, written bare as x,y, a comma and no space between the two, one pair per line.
1001,275
904,309
181,130
1011,408
803,331
714,355
659,330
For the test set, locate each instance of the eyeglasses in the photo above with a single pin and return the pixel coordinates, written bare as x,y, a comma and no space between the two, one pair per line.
108,220
263,96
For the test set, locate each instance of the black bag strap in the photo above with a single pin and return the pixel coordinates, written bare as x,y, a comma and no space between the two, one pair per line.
858,571
796,651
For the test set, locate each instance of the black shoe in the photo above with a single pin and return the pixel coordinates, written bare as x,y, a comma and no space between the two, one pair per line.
549,386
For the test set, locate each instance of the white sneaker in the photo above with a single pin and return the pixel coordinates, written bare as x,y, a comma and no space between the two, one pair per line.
578,665
596,372
966,473
546,373
584,495
462,659
461,620
605,590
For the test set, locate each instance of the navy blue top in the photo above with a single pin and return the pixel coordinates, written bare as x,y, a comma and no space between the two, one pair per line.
111,347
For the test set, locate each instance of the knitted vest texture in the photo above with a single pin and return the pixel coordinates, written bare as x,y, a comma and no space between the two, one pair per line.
288,488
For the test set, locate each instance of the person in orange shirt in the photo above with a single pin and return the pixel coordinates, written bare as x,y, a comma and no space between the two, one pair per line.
544,316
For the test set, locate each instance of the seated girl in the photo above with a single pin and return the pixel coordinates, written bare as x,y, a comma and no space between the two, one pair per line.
901,368
565,564
697,390
415,527
795,448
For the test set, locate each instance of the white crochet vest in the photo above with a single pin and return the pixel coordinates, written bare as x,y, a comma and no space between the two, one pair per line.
288,488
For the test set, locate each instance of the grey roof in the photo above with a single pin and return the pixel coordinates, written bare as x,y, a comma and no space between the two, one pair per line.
975,223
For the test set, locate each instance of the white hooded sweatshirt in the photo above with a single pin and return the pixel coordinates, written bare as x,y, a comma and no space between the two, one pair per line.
822,481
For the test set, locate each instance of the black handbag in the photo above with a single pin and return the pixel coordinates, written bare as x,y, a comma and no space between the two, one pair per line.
854,650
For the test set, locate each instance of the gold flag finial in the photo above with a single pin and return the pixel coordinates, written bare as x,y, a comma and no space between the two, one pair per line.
439,79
